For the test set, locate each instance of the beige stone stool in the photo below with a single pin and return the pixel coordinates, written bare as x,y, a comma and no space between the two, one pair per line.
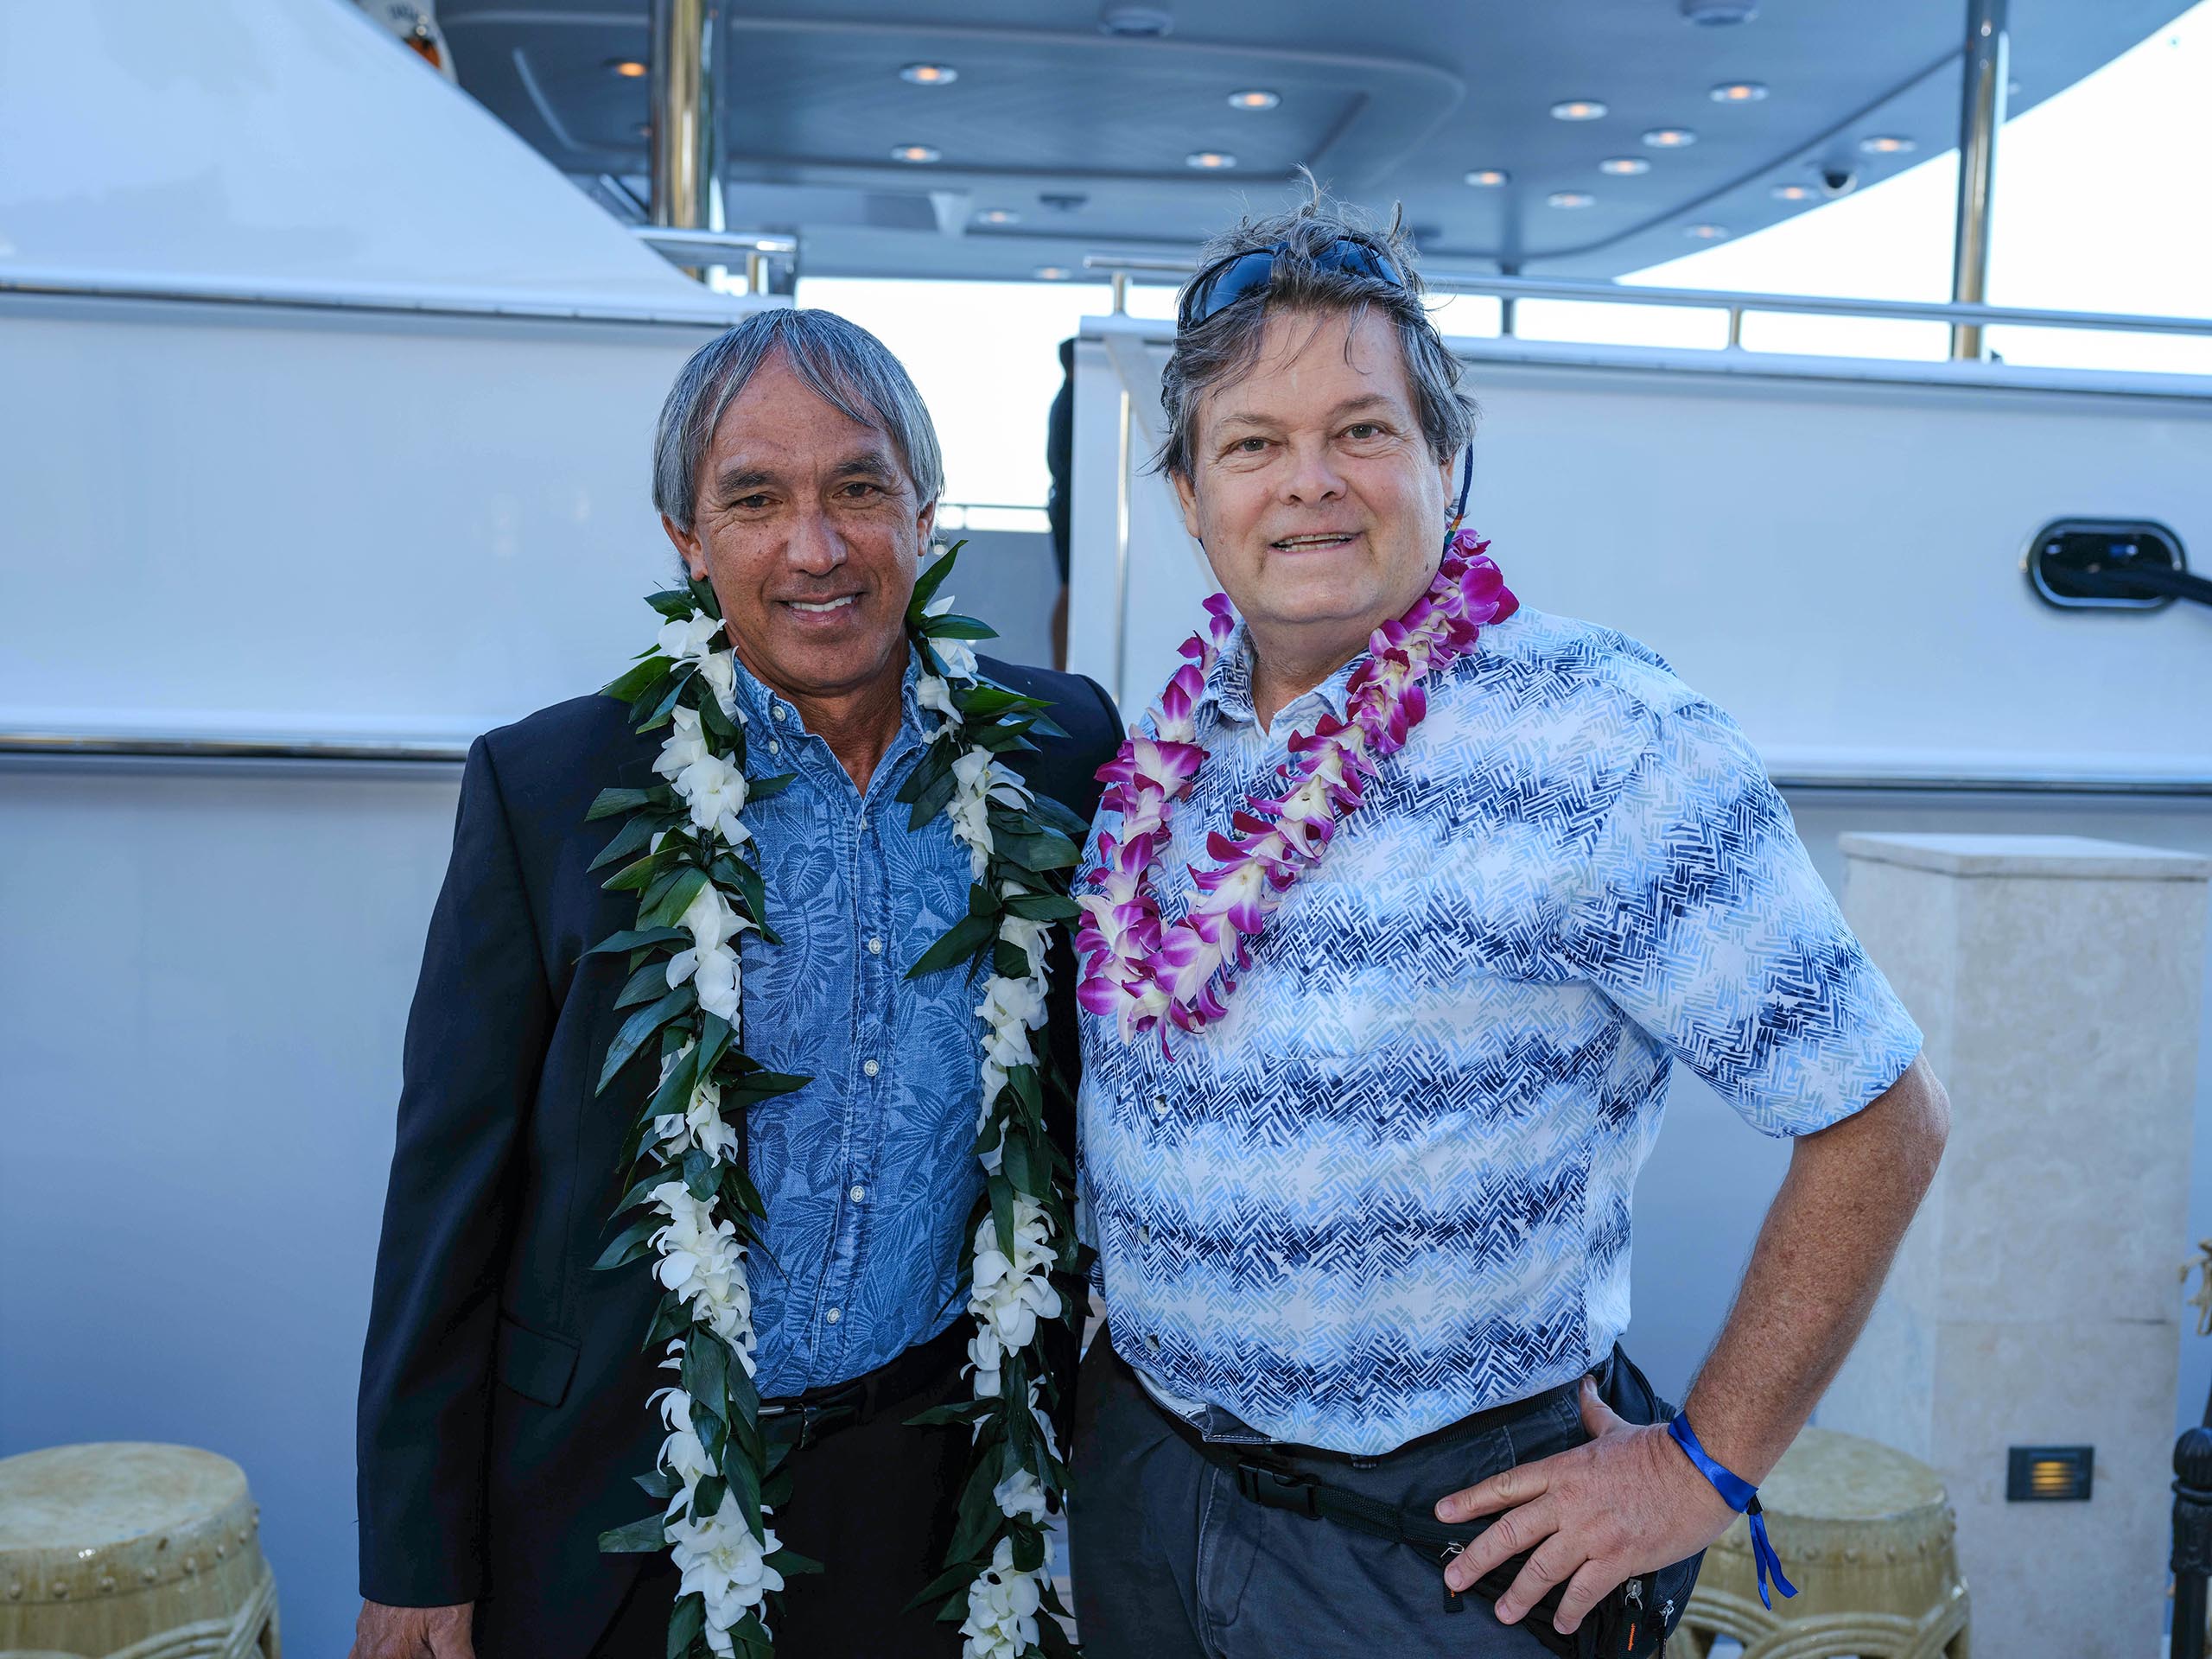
1866,1535
131,1551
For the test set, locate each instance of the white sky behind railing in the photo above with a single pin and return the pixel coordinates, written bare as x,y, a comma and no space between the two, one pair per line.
2101,206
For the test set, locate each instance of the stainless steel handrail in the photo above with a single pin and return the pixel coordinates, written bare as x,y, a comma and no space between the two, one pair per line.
710,311
1537,288
666,240
97,747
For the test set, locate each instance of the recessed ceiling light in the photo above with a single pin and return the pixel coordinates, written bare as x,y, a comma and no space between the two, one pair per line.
1052,273
1489,178
930,74
999,216
1135,22
1739,91
1259,97
1569,199
1794,193
628,68
1888,144
1670,138
1624,166
1715,13
1579,109
1707,233
1209,160
916,152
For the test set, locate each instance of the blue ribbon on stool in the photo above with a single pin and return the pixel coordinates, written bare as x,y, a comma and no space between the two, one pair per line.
1740,1496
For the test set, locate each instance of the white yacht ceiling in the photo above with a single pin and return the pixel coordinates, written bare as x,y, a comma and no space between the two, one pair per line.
1079,137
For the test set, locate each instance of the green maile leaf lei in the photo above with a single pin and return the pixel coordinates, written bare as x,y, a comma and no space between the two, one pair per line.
691,1206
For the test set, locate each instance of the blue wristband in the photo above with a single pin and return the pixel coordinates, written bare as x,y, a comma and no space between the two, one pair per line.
1740,1496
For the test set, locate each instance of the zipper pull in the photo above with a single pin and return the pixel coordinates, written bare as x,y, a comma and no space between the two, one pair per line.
1452,1604
1635,1590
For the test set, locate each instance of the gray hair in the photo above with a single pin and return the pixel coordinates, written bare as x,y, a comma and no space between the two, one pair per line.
853,371
1226,344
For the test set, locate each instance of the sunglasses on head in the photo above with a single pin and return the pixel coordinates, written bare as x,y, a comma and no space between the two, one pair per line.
1227,280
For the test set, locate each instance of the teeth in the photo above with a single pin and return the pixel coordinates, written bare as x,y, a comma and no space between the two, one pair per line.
831,605
1309,541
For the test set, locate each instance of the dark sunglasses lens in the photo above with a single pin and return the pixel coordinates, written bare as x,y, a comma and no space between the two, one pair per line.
1245,274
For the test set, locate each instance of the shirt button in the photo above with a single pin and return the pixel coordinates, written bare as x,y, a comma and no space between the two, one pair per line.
1151,1341
781,712
775,748
1144,1236
870,1067
1160,1105
833,1316
875,947
856,1192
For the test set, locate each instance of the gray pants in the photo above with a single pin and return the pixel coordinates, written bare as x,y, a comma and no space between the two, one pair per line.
1171,1562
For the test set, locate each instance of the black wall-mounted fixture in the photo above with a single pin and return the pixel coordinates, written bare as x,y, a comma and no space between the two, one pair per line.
2048,1474
2111,564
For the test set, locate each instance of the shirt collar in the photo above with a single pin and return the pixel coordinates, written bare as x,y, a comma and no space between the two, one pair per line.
759,703
1228,691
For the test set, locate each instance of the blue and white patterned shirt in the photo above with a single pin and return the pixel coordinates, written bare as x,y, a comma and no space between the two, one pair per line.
869,1172
1391,1188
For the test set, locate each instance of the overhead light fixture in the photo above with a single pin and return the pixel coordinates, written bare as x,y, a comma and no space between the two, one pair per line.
1715,14
1889,143
1795,193
916,153
1489,178
1707,233
1579,109
628,68
1052,273
1670,138
1624,166
999,216
1209,161
1739,91
929,75
1259,97
1135,22
1569,199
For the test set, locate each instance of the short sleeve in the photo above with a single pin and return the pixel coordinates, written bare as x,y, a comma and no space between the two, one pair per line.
1703,920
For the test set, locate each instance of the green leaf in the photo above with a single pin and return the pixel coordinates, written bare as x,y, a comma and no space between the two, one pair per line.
608,802
964,1412
731,871
706,1369
640,1025
674,603
712,717
979,1514
1028,1548
967,936
630,838
663,701
631,683
686,1623
633,1242
926,585
953,626
1002,1192
1015,1160
1054,1640
638,1538
708,1496
745,1481
701,1177
1043,907
788,1561
766,789
1055,816
668,900
955,1578
635,938
1040,850
648,984
660,1484
932,796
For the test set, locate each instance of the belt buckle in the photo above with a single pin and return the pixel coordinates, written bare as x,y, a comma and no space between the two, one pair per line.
1276,1489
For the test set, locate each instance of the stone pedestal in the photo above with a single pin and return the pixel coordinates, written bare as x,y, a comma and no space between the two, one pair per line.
2036,1302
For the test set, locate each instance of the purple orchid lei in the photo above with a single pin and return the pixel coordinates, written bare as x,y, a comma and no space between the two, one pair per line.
1141,969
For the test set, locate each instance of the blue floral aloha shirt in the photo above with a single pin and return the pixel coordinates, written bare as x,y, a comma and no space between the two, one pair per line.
1392,1186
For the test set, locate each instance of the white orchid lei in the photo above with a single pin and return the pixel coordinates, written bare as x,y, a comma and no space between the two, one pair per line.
684,849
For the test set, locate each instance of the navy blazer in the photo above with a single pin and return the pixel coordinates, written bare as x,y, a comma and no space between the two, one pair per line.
503,1384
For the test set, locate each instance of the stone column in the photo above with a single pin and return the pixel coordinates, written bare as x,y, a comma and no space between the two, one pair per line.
2035,1303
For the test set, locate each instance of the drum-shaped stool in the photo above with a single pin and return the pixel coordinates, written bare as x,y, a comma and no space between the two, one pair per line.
1866,1535
131,1551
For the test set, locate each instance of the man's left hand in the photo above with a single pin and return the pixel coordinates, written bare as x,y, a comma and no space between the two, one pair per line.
1624,1504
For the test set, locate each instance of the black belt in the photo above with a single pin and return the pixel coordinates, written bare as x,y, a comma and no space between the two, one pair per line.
1619,1625
799,1419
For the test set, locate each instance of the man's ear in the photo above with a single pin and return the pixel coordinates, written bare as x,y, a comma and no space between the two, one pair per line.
925,527
688,544
1187,494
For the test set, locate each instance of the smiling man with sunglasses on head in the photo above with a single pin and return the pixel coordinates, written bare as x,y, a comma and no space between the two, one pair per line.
1404,901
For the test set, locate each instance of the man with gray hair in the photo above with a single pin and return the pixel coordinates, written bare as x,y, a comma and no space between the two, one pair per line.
507,1385
1403,903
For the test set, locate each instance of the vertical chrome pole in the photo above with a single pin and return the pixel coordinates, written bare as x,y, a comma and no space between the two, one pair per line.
686,159
1505,302
1121,293
1981,115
